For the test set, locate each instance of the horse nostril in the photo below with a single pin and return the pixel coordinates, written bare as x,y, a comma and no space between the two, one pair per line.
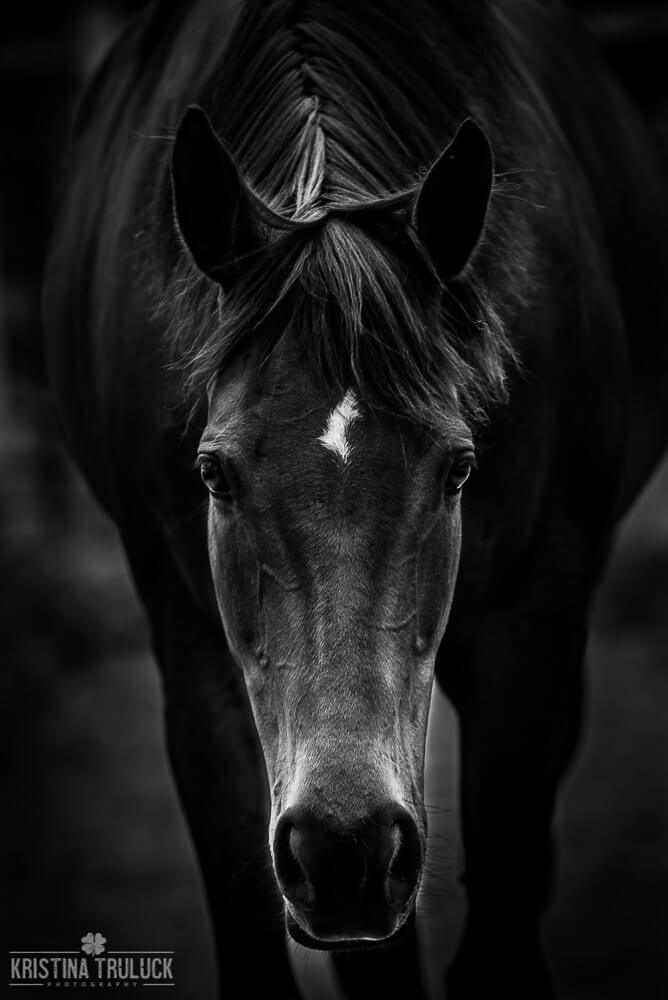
405,864
292,878
353,880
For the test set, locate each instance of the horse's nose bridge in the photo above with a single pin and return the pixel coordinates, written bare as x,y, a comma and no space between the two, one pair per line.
359,586
361,631
343,779
343,597
322,622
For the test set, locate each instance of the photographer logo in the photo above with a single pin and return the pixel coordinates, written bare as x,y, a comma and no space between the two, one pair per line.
93,966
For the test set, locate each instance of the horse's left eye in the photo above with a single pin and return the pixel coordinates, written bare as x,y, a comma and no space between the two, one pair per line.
213,477
458,473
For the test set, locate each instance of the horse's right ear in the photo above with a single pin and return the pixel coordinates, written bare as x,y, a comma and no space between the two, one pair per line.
213,210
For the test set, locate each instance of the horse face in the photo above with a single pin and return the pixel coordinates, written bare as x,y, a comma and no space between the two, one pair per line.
334,538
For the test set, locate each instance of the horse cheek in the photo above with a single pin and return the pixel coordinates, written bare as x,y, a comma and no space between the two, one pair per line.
435,576
235,577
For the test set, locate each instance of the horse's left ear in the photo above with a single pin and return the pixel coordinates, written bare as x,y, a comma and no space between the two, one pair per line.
451,204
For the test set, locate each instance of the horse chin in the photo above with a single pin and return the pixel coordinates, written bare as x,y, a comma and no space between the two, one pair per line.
302,937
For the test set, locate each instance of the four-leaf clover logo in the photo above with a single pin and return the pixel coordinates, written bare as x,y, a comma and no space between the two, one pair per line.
93,944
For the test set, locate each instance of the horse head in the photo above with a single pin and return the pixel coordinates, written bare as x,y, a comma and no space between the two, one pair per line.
334,520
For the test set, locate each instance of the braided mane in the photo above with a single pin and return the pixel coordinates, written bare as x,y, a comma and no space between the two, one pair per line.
333,113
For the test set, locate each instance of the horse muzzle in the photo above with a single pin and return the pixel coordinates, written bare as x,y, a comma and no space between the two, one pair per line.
354,883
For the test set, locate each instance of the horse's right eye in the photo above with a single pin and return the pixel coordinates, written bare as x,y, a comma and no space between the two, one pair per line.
214,478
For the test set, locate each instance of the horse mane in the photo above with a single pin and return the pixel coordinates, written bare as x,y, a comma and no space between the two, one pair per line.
333,122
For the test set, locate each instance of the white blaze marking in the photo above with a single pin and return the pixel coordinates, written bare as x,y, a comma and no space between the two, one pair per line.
335,437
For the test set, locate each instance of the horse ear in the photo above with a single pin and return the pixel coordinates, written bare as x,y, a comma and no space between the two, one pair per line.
213,209
451,204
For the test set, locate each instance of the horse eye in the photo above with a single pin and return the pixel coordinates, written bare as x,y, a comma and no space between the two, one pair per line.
458,473
214,478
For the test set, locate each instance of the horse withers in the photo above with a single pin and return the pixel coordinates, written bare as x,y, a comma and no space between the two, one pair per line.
389,280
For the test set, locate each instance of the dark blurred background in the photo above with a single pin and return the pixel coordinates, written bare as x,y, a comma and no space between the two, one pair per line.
92,836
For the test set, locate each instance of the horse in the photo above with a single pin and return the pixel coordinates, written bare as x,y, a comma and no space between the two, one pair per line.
355,325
